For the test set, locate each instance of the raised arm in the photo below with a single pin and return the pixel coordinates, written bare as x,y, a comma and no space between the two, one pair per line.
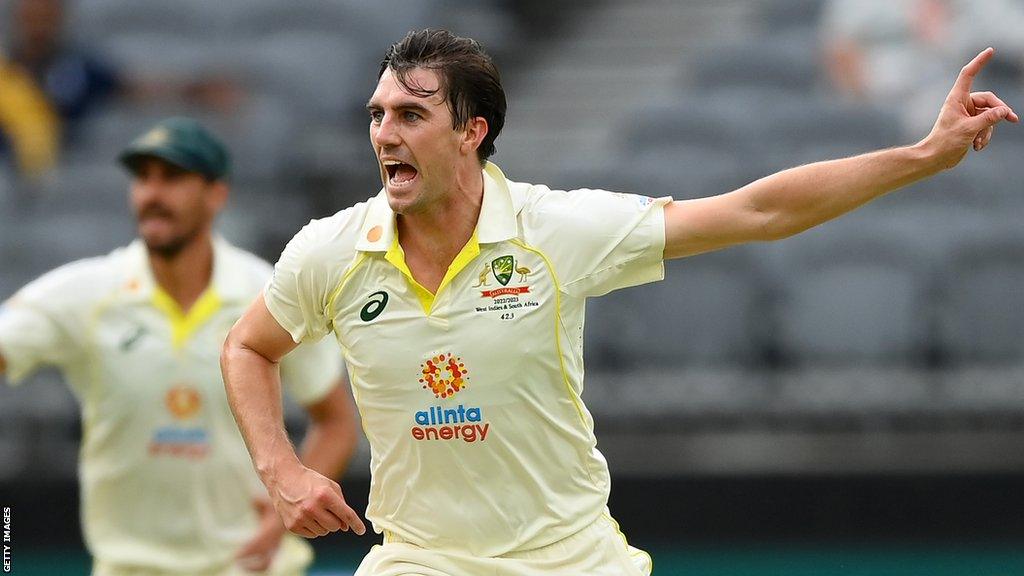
309,503
791,201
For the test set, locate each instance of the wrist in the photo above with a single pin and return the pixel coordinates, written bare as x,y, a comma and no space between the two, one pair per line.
273,468
930,158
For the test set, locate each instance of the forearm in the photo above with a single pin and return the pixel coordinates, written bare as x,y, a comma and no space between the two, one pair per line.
253,386
794,200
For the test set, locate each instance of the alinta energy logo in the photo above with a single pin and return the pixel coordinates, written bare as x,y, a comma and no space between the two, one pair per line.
445,375
183,439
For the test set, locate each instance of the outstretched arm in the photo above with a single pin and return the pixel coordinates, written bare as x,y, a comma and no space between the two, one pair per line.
309,503
791,201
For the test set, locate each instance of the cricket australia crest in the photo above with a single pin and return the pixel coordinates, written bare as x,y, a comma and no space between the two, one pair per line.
503,268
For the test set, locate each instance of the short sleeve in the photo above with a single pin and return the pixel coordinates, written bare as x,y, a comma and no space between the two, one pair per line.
38,325
599,241
312,370
296,294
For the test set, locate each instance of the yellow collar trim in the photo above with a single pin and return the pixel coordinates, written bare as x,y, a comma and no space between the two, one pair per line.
183,326
396,256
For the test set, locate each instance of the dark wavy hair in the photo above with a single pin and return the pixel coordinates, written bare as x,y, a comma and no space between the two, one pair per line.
467,74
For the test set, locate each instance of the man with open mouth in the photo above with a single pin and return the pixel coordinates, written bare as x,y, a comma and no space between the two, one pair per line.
458,296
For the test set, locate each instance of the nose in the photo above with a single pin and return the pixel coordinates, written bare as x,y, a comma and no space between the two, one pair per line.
146,189
386,133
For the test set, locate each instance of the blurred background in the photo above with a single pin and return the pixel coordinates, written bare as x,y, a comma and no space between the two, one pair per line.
849,401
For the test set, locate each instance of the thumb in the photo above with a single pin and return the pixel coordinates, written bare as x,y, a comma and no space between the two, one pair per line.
988,118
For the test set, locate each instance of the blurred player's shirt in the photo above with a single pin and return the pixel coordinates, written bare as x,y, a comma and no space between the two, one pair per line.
166,480
470,398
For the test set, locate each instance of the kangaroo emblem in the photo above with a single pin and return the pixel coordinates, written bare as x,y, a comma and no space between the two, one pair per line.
483,276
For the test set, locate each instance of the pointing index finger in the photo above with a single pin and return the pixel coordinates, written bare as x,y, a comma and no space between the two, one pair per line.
968,72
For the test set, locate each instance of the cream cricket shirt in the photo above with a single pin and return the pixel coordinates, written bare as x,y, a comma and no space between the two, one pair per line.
471,398
166,481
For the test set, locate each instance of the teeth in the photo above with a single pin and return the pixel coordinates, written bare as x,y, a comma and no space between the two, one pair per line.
392,162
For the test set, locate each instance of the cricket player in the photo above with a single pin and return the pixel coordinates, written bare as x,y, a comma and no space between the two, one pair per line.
167,485
457,297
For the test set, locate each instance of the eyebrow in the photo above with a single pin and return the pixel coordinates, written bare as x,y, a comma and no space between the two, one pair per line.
414,106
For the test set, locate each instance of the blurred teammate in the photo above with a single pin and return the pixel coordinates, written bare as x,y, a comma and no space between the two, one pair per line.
167,485
457,296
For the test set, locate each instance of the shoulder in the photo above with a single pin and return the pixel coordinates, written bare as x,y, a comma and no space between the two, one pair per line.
242,267
339,231
328,242
544,210
77,283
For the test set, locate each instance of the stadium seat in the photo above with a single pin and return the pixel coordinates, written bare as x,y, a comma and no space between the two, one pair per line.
320,76
982,390
769,62
850,293
815,123
688,171
681,171
674,399
851,396
94,20
692,119
54,415
707,311
159,55
978,183
42,242
76,187
981,314
375,25
787,16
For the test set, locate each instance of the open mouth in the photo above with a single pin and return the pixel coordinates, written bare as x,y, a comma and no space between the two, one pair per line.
399,172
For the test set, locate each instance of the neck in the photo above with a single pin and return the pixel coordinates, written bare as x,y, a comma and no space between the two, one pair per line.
442,230
186,275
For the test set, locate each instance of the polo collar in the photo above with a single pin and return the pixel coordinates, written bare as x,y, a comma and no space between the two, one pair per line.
497,220
228,280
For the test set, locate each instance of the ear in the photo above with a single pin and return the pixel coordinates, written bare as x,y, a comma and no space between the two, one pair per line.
474,134
217,195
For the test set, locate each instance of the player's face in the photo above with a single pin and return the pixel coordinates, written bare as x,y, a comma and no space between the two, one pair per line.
417,149
173,207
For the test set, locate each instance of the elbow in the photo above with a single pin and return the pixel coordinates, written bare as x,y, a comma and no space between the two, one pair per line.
779,226
230,353
771,226
227,352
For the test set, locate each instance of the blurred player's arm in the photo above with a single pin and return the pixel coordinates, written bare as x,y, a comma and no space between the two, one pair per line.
3,363
309,503
791,201
332,436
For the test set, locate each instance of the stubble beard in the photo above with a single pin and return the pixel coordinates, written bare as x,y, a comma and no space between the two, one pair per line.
170,249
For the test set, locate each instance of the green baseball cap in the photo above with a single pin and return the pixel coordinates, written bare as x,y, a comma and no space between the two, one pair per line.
182,142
